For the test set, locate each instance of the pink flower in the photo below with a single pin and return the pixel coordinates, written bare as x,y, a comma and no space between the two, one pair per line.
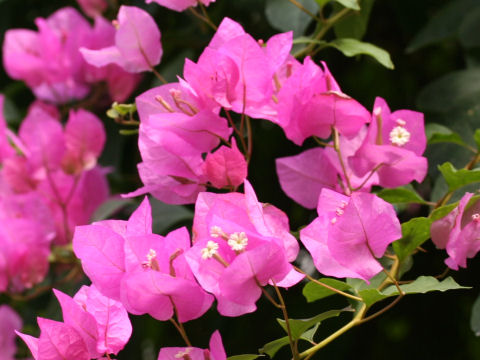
148,273
9,323
226,167
176,129
93,8
350,233
57,341
303,176
310,103
48,60
93,325
394,143
239,246
458,232
59,164
179,5
50,63
137,45
25,237
216,351
237,72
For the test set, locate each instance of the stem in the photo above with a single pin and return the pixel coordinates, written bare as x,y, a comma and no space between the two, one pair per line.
336,146
385,309
203,18
340,292
354,322
327,24
205,14
293,347
108,356
269,297
373,171
321,143
249,139
158,75
305,10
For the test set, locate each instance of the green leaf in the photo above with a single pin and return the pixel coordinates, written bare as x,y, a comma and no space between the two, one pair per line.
309,334
424,284
469,28
350,4
400,196
322,3
355,25
109,208
444,24
414,233
457,178
421,285
437,133
299,326
442,211
445,93
285,16
127,132
272,347
243,357
313,291
476,137
353,47
475,318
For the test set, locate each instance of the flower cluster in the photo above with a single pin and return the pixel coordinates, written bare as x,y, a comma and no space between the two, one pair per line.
46,177
93,326
50,62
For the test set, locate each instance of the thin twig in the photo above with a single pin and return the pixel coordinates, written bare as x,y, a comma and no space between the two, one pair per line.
305,10
340,292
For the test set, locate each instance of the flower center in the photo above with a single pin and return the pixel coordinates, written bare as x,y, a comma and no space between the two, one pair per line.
399,135
476,217
210,250
339,211
184,354
151,262
237,241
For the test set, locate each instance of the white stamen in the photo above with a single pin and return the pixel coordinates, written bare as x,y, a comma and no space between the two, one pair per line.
476,217
210,250
238,241
401,122
399,136
216,231
339,212
377,111
183,353
151,256
333,221
343,204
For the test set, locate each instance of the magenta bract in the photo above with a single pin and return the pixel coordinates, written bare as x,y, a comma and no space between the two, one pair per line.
350,233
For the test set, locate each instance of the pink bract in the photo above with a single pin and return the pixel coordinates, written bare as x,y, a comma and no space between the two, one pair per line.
226,167
350,233
146,272
458,232
215,352
93,8
228,70
179,5
9,323
176,129
137,45
310,103
393,146
240,245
